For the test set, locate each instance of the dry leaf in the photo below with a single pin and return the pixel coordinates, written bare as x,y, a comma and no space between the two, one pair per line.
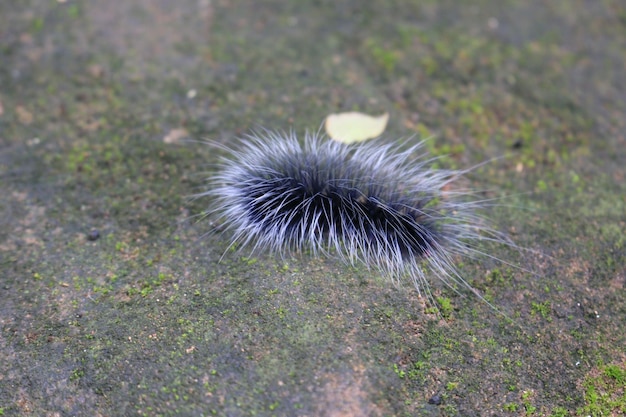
353,127
24,116
175,135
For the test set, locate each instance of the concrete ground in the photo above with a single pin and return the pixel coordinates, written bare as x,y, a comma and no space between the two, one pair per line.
114,301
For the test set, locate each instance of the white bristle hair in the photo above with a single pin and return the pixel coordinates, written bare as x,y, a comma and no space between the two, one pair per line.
369,203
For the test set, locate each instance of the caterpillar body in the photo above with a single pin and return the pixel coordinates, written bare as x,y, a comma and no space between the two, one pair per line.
371,203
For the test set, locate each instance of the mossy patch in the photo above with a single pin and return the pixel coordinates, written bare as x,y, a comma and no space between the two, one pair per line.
605,391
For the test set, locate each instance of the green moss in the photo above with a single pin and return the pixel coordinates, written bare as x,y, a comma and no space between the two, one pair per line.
559,412
37,24
77,374
382,56
445,307
450,386
512,407
73,11
544,309
605,392
417,371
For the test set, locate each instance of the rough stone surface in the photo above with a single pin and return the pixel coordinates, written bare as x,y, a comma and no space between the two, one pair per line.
98,101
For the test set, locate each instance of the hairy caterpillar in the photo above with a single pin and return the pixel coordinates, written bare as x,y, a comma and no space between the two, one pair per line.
371,203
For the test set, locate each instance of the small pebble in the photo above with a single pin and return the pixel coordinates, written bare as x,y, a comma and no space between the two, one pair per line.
435,399
93,235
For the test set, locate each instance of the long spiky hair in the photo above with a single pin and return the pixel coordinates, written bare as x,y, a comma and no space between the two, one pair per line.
370,203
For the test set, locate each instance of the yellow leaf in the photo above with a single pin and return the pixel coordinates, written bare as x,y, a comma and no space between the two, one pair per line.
353,127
